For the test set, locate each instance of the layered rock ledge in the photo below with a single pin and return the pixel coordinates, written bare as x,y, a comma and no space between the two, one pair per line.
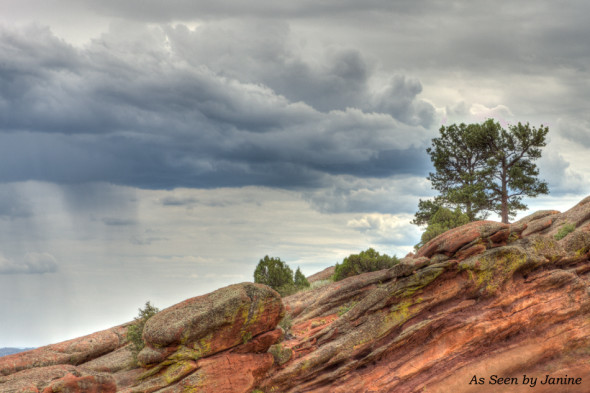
482,300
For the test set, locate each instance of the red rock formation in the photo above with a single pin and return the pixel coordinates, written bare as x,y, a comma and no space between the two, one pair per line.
477,309
76,351
486,302
59,378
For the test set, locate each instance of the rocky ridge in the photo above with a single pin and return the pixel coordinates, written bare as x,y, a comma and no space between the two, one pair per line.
482,300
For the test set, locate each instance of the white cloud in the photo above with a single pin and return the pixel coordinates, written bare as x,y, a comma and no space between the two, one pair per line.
387,229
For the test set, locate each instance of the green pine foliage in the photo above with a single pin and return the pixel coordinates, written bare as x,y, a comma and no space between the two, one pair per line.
440,222
364,262
300,280
279,276
484,168
459,158
135,331
274,273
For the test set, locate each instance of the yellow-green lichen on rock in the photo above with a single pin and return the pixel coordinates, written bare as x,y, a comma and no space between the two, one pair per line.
489,271
176,371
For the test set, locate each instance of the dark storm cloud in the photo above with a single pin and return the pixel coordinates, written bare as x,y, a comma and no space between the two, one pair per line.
155,10
136,108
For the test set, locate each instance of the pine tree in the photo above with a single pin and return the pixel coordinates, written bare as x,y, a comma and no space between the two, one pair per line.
512,173
300,280
482,168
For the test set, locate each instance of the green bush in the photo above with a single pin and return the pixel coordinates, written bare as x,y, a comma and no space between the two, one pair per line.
364,262
280,354
443,220
286,324
274,273
565,230
279,276
135,331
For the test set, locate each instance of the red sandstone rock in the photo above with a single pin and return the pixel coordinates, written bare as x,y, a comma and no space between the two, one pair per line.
225,373
57,379
74,351
494,314
451,241
205,325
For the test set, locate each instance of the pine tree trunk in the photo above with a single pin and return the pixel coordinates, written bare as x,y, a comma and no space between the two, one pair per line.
504,195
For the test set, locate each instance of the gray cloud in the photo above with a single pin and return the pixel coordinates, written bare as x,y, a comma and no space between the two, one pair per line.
560,176
577,130
178,201
145,241
31,263
116,221
12,204
134,108
152,10
374,195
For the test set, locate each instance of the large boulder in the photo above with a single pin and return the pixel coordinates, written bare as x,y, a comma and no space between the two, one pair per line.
208,324
478,234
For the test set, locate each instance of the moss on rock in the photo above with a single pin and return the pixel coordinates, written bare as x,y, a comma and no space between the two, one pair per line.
492,269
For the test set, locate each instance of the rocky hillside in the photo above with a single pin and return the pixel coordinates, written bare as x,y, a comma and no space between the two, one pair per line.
486,307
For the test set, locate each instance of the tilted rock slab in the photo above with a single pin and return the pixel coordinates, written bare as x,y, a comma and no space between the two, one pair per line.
76,351
488,300
59,378
216,342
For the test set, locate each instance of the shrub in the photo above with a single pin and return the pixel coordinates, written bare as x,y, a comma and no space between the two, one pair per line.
367,261
280,354
443,220
286,324
565,230
135,331
279,276
274,273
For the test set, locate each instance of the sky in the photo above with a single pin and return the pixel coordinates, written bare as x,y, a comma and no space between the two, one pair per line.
157,150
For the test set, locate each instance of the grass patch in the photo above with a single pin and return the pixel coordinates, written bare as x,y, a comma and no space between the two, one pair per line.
565,230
